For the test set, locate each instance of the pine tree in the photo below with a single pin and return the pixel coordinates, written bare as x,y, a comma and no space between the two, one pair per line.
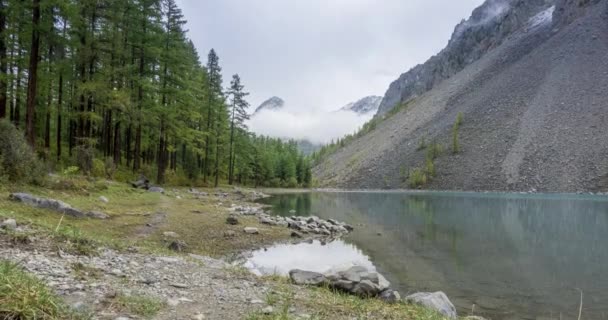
32,84
237,120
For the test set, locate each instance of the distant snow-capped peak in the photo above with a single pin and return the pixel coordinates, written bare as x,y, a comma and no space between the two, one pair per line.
364,106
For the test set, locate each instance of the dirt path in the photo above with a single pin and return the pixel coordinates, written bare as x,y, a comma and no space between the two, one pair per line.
155,221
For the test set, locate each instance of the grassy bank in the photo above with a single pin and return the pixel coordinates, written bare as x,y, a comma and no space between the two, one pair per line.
140,218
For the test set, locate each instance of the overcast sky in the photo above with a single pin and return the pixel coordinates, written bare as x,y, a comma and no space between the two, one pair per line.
321,54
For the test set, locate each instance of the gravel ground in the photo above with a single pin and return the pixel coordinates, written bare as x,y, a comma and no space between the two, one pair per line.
535,118
192,287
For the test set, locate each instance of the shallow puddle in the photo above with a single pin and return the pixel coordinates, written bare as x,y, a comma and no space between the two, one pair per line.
310,256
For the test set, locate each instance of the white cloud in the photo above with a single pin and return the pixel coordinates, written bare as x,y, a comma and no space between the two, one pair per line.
317,127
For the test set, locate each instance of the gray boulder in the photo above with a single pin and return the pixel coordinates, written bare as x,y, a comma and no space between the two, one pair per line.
156,190
365,289
9,224
251,230
437,301
357,280
141,183
301,277
104,199
50,204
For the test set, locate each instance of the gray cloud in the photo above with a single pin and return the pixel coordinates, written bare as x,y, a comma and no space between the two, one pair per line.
321,54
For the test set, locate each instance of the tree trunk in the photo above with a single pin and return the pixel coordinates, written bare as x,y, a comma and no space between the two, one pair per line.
17,112
3,61
47,122
33,76
11,85
140,97
128,145
137,151
59,110
161,167
207,142
231,162
117,143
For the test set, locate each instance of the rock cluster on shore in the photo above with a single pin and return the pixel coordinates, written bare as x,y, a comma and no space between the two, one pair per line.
361,282
311,225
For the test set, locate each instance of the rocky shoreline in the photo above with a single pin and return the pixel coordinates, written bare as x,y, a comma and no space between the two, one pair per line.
355,280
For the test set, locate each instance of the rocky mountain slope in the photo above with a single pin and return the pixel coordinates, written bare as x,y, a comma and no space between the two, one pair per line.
535,109
488,27
364,106
274,103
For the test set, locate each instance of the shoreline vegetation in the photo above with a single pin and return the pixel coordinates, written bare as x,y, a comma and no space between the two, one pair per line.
140,231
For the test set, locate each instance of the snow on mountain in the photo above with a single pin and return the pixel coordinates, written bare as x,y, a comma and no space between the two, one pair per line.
364,106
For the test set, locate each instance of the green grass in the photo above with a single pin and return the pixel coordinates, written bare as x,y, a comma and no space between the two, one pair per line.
325,303
146,307
130,210
22,296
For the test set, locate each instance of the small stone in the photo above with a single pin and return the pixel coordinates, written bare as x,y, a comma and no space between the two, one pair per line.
232,220
268,310
256,301
178,246
173,302
198,316
104,199
122,318
229,234
268,221
156,190
9,224
170,234
390,296
179,285
295,234
251,230
116,272
437,301
97,215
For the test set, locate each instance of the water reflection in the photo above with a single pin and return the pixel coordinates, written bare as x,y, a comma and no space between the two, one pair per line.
513,256
313,256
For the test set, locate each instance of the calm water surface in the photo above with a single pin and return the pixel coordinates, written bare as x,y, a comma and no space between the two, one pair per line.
506,256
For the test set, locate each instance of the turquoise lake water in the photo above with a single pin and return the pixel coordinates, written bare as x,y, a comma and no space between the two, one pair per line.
504,256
